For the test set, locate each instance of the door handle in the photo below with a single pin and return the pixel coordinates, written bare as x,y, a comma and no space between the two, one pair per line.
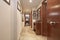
52,22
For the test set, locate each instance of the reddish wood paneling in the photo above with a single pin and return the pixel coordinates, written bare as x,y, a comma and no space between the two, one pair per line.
43,18
37,27
31,19
53,15
41,28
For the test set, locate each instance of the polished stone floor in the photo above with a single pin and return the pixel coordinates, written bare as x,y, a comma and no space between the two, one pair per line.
28,34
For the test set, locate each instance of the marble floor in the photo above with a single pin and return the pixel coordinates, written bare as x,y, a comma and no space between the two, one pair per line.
28,34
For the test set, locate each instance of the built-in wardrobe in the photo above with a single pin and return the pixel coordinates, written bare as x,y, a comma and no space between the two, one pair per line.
53,19
41,25
49,20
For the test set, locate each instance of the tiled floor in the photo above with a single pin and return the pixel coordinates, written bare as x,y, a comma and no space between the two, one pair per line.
28,34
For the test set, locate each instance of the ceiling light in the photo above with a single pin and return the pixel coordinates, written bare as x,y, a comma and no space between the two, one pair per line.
30,1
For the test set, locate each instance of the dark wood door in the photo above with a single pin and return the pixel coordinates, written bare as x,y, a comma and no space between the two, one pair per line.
53,20
43,19
54,26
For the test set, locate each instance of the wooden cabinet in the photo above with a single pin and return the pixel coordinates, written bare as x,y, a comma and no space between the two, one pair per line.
41,28
37,27
50,20
53,19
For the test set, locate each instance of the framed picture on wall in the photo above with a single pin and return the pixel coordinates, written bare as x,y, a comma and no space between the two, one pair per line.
38,14
18,6
34,14
7,1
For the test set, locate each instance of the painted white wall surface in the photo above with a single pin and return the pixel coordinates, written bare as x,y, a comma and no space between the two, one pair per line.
8,20
19,21
19,24
5,21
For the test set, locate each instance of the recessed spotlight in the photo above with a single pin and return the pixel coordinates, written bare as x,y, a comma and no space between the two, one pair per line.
30,1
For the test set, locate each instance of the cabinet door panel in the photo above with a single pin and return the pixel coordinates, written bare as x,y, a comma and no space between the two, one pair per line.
53,19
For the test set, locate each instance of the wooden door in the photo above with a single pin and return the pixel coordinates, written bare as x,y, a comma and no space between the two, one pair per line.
53,19
43,19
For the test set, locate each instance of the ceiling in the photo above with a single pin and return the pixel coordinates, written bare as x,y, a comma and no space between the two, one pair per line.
26,5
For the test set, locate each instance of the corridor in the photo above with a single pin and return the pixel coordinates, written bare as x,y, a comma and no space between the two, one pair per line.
28,34
29,19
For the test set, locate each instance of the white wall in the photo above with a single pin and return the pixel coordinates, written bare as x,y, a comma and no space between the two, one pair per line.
8,20
19,24
5,25
13,19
